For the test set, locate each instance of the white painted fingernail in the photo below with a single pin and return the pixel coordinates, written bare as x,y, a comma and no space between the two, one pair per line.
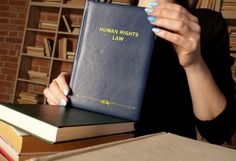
66,92
156,30
63,102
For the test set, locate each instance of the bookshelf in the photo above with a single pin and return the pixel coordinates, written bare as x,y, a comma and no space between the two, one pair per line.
228,10
43,55
48,46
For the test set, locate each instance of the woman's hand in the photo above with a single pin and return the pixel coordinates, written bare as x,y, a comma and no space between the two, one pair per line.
175,24
58,90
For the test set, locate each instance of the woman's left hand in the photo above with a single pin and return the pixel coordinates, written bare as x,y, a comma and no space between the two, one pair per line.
175,24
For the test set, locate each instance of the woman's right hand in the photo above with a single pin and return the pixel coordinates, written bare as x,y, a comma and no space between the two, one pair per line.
58,90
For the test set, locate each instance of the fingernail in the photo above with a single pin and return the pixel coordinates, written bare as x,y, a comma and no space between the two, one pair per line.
153,4
148,10
151,19
156,30
63,102
66,91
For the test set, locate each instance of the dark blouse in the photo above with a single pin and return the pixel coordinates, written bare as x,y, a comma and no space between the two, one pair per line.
167,104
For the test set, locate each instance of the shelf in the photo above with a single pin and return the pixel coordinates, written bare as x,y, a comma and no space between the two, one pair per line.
32,82
73,6
63,60
68,33
33,56
41,30
41,50
46,4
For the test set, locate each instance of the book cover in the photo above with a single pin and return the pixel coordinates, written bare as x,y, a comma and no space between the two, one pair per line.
112,59
21,142
57,124
155,147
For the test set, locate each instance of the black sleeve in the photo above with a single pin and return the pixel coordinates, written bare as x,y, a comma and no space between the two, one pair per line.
215,51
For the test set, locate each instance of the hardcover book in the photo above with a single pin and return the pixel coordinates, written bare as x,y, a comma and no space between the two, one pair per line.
57,124
112,60
108,78
22,142
17,144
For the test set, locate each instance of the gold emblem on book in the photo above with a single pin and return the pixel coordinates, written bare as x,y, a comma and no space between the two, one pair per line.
105,102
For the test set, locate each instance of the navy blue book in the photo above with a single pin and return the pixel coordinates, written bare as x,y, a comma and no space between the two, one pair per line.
112,60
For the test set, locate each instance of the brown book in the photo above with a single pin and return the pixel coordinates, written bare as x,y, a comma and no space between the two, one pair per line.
76,30
35,51
229,14
30,95
63,47
37,74
66,23
38,79
48,43
30,98
36,100
233,49
217,5
26,144
198,3
48,25
22,101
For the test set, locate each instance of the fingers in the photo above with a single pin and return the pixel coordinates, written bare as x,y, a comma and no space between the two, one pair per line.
176,26
174,23
61,81
186,43
58,90
173,11
172,15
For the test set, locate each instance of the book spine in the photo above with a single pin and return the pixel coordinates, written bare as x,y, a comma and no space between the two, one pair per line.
79,45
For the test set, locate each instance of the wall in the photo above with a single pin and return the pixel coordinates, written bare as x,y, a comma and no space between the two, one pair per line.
12,21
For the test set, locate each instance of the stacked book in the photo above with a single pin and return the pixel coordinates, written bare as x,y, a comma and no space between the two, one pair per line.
75,28
18,145
232,43
46,50
232,38
38,76
30,98
228,9
210,4
48,25
35,51
71,27
70,55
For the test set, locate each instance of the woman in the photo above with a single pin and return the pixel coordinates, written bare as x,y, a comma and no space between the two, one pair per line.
189,83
